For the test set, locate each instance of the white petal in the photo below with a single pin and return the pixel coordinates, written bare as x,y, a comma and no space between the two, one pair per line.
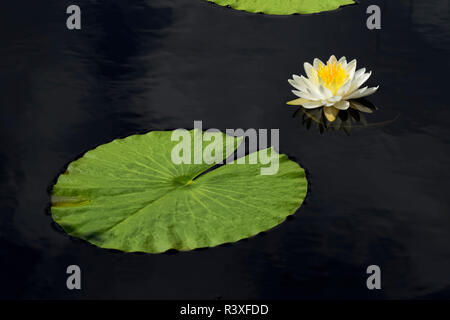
301,94
313,89
355,93
360,72
343,60
345,88
351,67
362,79
297,85
370,91
334,99
312,104
311,73
298,93
342,105
364,92
317,63
304,95
325,92
307,89
297,79
302,86
357,80
332,59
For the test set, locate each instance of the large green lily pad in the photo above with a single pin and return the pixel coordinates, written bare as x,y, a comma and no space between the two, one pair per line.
129,195
284,7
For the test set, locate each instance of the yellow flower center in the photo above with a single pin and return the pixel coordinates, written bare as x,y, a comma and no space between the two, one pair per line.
332,76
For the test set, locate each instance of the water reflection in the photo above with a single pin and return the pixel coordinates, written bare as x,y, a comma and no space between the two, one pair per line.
345,120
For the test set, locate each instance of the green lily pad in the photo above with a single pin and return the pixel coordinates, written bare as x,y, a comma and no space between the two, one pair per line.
129,195
284,7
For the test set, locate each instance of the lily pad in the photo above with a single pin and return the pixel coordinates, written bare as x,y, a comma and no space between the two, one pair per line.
129,195
284,7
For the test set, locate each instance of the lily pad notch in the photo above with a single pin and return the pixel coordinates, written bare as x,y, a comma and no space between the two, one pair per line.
284,7
128,195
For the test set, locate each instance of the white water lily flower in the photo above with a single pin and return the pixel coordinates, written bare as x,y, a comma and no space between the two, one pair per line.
331,86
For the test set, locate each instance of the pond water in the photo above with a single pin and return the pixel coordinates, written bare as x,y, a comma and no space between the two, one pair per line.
377,196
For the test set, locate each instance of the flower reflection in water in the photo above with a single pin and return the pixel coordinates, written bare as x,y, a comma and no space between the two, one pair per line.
353,117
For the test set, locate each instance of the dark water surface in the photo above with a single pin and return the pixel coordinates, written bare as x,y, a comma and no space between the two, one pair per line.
378,196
